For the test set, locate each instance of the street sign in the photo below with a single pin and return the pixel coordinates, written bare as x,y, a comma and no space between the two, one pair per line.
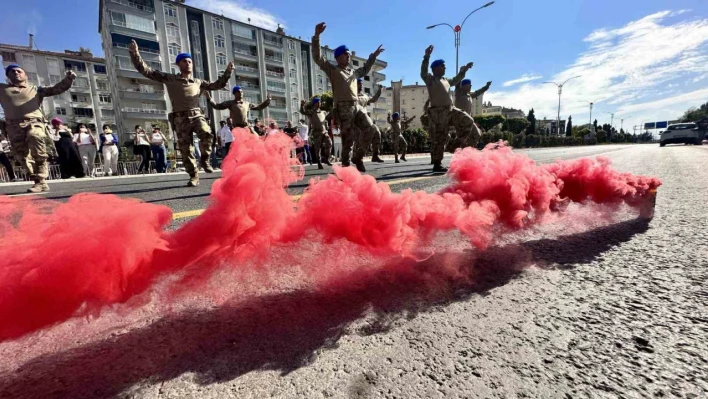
662,125
649,125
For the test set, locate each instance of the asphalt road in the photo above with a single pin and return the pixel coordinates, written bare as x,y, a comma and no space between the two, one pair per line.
615,310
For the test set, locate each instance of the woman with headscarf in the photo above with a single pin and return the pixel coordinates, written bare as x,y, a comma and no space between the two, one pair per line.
68,156
87,148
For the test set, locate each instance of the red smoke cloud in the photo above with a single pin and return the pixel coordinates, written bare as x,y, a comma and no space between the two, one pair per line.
61,260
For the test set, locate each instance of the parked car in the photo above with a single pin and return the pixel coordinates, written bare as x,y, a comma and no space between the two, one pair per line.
686,133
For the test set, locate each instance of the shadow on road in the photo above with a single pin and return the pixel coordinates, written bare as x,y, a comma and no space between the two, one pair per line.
285,331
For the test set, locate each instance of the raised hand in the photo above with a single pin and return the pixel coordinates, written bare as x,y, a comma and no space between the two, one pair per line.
489,83
320,28
469,65
429,50
303,102
70,74
133,47
379,50
230,67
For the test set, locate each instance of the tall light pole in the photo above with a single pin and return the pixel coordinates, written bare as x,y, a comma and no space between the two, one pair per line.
592,127
622,121
612,118
457,29
560,91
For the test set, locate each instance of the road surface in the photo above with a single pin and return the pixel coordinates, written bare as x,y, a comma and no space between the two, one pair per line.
616,311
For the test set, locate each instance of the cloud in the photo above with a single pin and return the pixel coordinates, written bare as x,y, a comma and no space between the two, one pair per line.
30,20
239,11
626,70
524,78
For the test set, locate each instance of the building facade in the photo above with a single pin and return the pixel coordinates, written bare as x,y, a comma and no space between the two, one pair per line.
412,100
88,100
267,63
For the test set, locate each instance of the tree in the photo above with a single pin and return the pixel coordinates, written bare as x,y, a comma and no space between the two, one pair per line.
601,136
594,125
532,122
580,131
569,127
515,125
487,122
694,114
326,100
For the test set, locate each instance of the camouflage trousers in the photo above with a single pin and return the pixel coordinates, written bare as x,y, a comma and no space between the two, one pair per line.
439,121
375,142
354,125
321,146
400,145
30,144
185,126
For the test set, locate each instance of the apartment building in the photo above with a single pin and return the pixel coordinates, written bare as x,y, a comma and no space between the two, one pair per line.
412,100
89,99
267,62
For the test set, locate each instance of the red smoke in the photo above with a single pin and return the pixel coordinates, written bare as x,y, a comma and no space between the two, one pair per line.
60,260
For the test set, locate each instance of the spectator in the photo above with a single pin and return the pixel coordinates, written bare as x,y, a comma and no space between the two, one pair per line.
272,129
157,145
303,132
141,144
225,137
337,144
258,127
109,149
68,156
87,149
4,160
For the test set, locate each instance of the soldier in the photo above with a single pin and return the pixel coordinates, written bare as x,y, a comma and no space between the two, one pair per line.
347,111
399,142
26,126
238,109
321,142
186,117
442,113
464,98
364,101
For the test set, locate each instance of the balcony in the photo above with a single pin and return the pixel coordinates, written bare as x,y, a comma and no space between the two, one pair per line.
82,89
278,75
81,104
249,86
144,113
277,105
273,43
274,59
245,54
142,94
246,71
134,5
276,88
146,53
106,105
84,119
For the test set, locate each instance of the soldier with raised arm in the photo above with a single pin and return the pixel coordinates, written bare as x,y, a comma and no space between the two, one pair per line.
442,113
364,101
25,124
186,118
347,111
465,98
321,142
400,145
238,108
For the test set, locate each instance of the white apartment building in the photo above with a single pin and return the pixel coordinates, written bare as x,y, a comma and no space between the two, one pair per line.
267,63
88,100
412,98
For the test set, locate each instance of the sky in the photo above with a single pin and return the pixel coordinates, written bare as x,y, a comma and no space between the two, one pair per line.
642,60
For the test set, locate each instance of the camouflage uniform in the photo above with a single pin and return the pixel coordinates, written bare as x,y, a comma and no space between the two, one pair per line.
26,127
238,111
321,143
186,117
364,100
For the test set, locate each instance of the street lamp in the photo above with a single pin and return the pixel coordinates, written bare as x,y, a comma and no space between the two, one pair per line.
591,125
622,121
457,29
560,91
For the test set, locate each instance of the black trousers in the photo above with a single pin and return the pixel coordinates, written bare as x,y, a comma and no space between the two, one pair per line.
144,152
5,161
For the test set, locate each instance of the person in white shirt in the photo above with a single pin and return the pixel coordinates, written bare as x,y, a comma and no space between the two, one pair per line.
157,145
337,144
142,148
303,153
86,142
225,136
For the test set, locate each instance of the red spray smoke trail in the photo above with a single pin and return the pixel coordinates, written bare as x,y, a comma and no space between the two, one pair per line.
60,260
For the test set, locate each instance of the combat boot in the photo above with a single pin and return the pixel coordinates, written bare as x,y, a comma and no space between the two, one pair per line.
403,158
204,163
319,165
438,168
38,187
360,165
193,180
396,159
375,157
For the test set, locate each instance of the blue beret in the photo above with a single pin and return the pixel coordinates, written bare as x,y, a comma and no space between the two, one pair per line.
437,63
182,56
11,67
466,82
315,100
235,89
396,115
340,50
360,80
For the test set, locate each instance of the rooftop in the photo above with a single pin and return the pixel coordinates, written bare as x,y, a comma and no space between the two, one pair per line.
75,55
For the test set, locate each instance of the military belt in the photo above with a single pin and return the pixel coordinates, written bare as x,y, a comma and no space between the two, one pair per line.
17,121
191,112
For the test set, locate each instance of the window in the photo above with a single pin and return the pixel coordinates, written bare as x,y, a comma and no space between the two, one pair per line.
217,24
83,112
219,41
292,59
242,31
102,85
367,78
54,79
32,77
173,49
60,111
149,106
355,62
220,59
81,82
174,70
8,56
79,98
170,10
133,22
52,63
107,113
172,30
104,98
76,66
99,69
291,44
367,91
294,103
293,74
319,79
